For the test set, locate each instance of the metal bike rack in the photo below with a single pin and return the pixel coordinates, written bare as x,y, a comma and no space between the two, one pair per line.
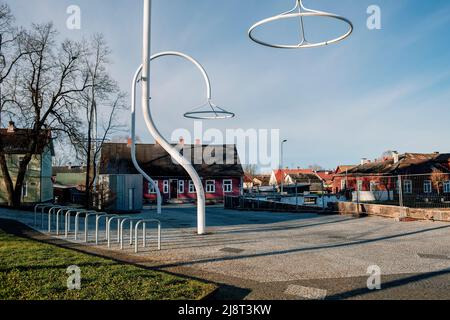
86,223
61,212
67,220
144,235
41,206
131,230
50,212
108,228
77,221
97,221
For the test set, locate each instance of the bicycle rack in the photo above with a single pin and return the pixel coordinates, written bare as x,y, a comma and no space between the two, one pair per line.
86,224
67,220
144,235
131,230
61,212
41,206
50,212
77,221
97,221
108,228
109,219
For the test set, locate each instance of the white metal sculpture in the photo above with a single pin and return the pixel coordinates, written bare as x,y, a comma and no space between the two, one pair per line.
300,11
213,112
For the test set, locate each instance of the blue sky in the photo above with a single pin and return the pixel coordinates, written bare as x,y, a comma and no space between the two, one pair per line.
378,90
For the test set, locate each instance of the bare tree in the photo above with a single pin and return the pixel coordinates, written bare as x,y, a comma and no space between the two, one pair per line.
43,90
102,102
438,179
251,170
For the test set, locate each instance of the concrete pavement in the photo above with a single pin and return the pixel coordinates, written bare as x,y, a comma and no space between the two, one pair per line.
263,255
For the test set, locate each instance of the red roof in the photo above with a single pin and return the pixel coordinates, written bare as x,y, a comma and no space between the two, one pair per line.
281,174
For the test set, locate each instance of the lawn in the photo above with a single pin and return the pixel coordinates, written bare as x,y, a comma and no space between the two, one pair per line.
30,270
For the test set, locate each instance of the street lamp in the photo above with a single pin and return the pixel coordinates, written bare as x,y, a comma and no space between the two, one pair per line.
210,113
281,165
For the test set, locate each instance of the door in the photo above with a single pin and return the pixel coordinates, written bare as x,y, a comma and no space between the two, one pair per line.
173,189
130,199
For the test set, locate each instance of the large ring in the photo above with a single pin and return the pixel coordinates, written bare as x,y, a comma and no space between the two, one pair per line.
306,13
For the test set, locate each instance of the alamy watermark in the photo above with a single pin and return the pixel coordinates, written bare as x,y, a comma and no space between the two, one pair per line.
374,280
374,19
74,279
73,22
212,146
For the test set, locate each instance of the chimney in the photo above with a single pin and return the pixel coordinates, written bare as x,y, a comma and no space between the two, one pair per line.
198,142
69,165
11,127
396,157
363,161
181,141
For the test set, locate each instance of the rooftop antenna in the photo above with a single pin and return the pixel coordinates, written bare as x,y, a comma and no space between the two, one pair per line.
300,11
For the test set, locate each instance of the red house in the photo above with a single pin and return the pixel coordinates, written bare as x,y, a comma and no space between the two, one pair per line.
222,173
416,170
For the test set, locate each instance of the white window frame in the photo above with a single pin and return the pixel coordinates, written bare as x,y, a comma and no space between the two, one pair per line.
210,183
180,186
343,184
191,187
151,188
227,186
447,186
426,184
166,186
407,187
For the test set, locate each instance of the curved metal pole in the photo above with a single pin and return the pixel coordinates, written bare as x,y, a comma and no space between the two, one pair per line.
133,143
168,145
146,51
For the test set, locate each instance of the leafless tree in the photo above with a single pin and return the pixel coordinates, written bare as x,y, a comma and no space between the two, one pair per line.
438,179
43,94
102,102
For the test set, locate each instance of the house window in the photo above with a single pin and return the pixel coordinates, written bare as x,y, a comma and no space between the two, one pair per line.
407,186
343,184
447,187
191,187
360,185
180,186
427,187
25,189
227,186
210,186
151,187
166,186
373,186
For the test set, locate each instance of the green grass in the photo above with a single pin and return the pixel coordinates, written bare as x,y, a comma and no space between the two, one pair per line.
30,270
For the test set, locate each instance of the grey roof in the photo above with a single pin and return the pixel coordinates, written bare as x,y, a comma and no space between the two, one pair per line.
409,163
116,159
18,142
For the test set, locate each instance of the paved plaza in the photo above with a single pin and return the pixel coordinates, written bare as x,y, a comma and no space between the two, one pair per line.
263,255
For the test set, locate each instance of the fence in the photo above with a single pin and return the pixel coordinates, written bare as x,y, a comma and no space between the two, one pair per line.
273,205
412,191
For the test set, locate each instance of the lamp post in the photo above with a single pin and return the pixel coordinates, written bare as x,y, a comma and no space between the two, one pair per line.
213,112
281,165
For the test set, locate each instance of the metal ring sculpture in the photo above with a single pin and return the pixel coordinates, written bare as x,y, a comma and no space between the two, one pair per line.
300,11
185,163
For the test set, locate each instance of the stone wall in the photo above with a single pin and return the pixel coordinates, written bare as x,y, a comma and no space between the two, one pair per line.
393,212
